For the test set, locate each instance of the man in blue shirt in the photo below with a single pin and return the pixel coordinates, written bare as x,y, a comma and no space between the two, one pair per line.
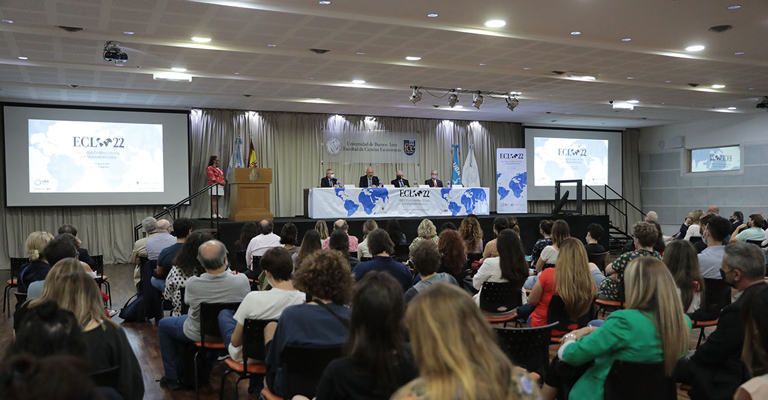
382,248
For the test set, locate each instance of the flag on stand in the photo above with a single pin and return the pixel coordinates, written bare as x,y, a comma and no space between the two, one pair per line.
456,174
252,157
236,160
470,171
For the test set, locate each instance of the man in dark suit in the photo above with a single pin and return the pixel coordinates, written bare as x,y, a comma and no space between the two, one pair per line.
329,180
715,370
433,181
400,182
82,252
369,180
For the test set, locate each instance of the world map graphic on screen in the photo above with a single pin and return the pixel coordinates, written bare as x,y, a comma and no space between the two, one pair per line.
566,159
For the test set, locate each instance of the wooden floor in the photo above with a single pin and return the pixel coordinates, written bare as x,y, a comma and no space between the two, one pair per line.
144,340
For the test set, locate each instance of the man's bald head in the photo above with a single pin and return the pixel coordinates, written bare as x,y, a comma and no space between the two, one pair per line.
266,227
212,255
713,210
651,216
164,225
340,225
369,171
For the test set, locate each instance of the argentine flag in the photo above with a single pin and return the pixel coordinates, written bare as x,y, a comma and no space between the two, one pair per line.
470,172
236,160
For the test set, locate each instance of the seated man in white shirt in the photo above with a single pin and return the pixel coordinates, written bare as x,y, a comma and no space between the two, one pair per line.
262,242
341,225
711,258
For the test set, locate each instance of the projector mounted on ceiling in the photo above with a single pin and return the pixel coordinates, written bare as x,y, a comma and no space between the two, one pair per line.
113,53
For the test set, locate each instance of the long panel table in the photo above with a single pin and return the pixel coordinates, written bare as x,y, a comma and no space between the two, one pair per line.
397,202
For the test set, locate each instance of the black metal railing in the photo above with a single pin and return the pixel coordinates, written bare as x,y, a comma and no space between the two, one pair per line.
175,210
607,203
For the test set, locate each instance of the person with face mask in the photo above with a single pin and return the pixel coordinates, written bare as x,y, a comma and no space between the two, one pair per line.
329,180
433,181
715,370
399,181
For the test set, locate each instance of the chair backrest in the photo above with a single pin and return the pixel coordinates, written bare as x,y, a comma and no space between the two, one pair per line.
253,339
598,259
498,297
209,318
353,254
629,380
526,347
402,252
240,264
474,256
20,297
109,377
16,264
303,367
363,259
758,243
256,265
184,305
556,314
717,295
98,264
695,239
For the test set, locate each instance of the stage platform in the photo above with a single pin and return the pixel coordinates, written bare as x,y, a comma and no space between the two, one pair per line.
229,231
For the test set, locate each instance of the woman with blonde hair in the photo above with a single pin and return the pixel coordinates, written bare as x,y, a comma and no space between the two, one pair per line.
427,231
694,230
472,235
652,328
322,228
448,367
514,225
571,279
362,248
37,268
680,257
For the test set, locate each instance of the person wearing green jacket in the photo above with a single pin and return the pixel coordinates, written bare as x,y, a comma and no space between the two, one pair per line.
652,328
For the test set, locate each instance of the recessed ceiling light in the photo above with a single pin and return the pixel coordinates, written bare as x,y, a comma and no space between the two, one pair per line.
358,81
324,2
667,81
458,107
432,15
359,53
583,77
413,58
237,73
738,53
481,64
495,23
626,39
718,86
731,108
7,21
630,77
172,76
697,47
201,39
526,68
178,69
118,65
575,33
633,101
734,7
271,45
128,32
751,88
458,88
23,58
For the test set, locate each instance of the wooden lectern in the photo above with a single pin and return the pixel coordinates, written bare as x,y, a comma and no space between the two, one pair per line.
249,194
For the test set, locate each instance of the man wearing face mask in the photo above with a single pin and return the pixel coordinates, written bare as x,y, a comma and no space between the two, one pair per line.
433,181
715,370
400,182
329,180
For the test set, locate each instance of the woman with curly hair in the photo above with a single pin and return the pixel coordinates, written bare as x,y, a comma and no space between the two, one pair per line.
427,231
472,234
452,254
326,278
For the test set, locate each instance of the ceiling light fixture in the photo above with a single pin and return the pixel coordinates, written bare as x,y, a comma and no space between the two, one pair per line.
459,106
575,33
695,48
128,33
7,21
731,108
718,86
178,69
734,7
633,101
413,58
271,45
477,100
582,77
738,53
201,39
526,68
495,23
626,39
415,95
360,53
512,102
432,15
324,2
453,99
481,64
358,81
630,77
622,105
23,58
172,76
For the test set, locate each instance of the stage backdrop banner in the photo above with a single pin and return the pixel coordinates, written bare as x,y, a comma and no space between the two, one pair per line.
511,181
397,202
372,147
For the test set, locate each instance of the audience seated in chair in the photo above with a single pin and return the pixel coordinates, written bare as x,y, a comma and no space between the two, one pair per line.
426,258
711,258
755,321
441,320
289,238
185,266
499,224
342,226
426,232
545,230
81,251
560,231
453,256
471,234
325,276
249,231
694,228
378,359
645,235
38,267
508,266
752,230
382,248
715,370
266,239
216,285
182,227
309,244
395,233
60,247
139,251
594,233
571,279
652,328
160,240
362,248
339,241
680,258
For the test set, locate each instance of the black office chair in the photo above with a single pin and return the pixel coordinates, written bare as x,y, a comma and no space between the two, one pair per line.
695,239
240,265
302,369
563,323
402,252
758,243
109,377
16,264
598,259
527,347
499,301
717,295
629,380
253,349
101,279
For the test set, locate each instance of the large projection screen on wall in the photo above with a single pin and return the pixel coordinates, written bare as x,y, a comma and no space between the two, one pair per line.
594,156
94,157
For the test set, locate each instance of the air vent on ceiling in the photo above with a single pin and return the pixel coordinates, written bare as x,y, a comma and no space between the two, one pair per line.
720,28
558,72
319,51
70,29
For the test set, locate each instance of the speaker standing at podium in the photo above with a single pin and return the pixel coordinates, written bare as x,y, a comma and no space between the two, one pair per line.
215,175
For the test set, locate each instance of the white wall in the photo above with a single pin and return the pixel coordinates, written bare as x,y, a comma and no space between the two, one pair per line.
666,189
